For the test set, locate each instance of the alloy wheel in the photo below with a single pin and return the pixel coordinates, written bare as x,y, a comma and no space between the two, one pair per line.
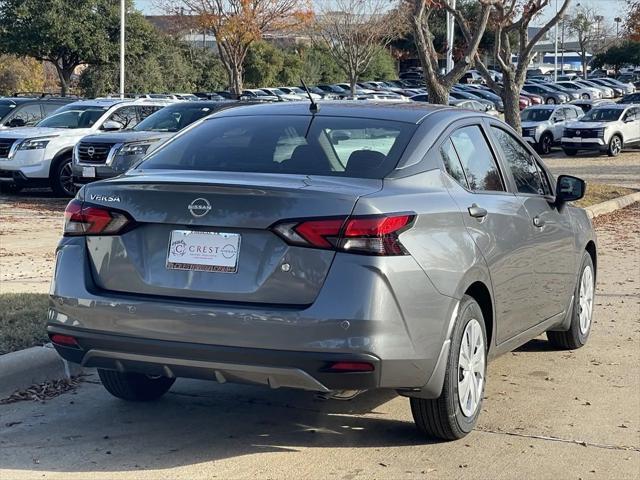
546,144
586,299
616,145
66,180
471,368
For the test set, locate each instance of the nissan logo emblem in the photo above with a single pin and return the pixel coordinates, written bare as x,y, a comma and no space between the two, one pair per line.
91,151
577,132
199,207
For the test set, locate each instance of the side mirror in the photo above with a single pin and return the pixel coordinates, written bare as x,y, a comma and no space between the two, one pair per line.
16,122
569,189
111,125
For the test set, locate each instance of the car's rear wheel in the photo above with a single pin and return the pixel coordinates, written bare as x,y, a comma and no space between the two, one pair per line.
455,413
582,312
615,146
570,152
545,143
62,178
134,387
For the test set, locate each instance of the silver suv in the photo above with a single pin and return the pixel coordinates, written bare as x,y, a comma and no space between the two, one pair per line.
336,249
606,128
542,125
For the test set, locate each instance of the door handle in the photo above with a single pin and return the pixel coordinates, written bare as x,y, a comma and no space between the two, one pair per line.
538,222
477,212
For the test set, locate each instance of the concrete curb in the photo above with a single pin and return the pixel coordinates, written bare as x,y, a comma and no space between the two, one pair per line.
612,205
21,369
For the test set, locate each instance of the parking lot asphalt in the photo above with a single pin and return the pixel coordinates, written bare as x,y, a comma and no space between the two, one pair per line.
547,414
623,170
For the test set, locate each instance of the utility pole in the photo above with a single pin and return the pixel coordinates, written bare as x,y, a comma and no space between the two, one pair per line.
122,18
617,20
450,32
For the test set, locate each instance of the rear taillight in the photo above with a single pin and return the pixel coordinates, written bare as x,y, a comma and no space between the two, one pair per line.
84,219
369,235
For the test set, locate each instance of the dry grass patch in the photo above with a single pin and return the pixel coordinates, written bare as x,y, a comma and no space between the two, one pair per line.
23,317
601,192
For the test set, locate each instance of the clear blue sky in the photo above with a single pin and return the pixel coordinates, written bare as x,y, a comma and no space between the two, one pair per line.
607,8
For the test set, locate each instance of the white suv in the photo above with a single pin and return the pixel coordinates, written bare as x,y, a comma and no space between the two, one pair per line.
542,125
41,155
607,128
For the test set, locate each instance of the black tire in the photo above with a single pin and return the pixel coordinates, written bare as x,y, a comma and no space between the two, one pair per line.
543,147
443,417
11,188
134,387
570,152
615,146
61,179
551,101
575,337
585,96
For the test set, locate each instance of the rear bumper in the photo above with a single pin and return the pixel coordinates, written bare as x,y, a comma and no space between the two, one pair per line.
360,314
273,368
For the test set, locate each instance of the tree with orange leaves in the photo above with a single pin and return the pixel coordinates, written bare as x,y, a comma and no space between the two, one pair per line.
237,24
632,22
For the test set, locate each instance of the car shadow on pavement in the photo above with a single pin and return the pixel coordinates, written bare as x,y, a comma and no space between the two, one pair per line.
537,345
195,422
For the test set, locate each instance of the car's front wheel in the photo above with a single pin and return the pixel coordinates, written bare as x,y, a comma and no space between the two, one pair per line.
585,96
551,101
545,143
62,178
455,413
615,146
582,311
134,387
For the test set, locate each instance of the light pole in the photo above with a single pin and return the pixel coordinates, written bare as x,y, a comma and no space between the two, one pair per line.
450,32
555,55
122,18
617,20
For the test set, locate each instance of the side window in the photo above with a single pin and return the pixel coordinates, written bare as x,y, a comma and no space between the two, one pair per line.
521,163
570,113
476,158
452,162
30,114
49,108
126,116
560,115
145,110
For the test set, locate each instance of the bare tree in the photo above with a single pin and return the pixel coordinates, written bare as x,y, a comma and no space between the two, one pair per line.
589,32
236,24
439,84
354,31
513,17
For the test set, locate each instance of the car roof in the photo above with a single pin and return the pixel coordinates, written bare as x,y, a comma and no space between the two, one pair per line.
400,112
109,102
617,106
20,100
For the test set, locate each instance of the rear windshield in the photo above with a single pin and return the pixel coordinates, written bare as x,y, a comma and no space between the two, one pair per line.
335,146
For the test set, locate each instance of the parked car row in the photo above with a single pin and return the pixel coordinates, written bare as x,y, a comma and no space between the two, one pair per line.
606,127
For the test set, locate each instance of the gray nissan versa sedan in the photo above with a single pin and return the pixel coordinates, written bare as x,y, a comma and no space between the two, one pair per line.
351,247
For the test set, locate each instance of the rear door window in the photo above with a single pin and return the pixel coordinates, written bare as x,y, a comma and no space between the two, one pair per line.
476,158
126,116
29,114
336,146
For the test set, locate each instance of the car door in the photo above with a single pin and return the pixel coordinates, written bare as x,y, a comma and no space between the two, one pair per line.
631,125
551,236
558,121
496,220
